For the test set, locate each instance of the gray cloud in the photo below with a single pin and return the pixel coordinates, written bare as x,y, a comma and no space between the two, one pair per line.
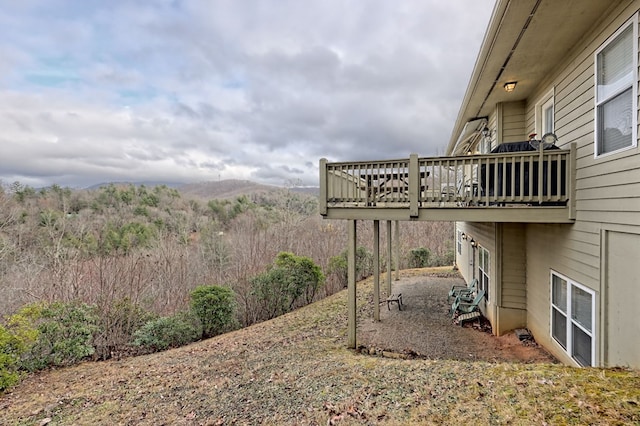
196,91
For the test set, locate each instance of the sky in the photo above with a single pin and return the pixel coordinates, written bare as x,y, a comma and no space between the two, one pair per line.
182,91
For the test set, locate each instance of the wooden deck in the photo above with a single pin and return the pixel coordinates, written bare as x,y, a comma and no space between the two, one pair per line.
531,186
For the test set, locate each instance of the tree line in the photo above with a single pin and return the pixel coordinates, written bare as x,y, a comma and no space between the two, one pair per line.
129,255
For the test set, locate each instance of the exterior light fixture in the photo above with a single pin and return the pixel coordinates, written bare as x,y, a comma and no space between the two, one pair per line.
473,243
510,86
463,236
486,132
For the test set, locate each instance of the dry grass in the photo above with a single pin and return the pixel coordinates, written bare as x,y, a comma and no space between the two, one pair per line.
296,370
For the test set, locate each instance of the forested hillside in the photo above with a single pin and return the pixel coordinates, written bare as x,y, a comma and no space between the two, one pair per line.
129,251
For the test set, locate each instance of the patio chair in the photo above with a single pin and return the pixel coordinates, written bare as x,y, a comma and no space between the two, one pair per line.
466,307
463,290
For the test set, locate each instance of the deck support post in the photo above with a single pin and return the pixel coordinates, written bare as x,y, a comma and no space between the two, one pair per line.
397,251
389,258
351,283
376,270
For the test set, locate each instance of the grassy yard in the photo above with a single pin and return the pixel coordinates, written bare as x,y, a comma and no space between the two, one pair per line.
296,370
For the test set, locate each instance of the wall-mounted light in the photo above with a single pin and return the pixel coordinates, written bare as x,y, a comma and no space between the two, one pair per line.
486,132
463,236
510,86
473,243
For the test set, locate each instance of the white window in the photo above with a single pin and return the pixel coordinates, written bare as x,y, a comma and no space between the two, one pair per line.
545,115
483,271
573,318
616,69
459,242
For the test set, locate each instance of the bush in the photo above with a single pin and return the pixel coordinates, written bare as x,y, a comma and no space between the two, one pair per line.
215,306
419,257
9,359
364,265
283,287
118,323
168,332
17,339
65,336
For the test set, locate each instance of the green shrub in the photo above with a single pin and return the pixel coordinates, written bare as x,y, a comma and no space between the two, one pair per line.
141,211
9,359
419,257
23,325
65,336
16,339
215,306
291,281
364,265
168,332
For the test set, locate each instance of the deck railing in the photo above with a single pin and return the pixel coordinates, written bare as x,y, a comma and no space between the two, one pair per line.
540,178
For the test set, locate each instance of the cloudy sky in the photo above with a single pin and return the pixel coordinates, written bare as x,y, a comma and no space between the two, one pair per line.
190,90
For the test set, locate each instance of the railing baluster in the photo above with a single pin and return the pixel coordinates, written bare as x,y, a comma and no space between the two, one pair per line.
489,179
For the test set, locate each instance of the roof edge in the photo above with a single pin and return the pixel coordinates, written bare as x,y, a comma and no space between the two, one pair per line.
493,28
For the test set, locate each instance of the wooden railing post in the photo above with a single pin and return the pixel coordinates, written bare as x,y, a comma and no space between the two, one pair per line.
540,172
323,187
414,184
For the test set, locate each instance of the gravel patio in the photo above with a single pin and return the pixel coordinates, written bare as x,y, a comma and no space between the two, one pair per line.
424,326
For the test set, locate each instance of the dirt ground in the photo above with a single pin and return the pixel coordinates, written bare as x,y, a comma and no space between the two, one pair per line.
424,326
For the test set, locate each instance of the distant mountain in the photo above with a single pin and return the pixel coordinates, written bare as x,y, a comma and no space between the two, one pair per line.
145,183
230,188
310,190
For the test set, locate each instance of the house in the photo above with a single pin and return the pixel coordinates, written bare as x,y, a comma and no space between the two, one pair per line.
549,224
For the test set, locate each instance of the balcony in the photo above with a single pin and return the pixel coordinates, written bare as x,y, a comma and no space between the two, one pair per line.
528,186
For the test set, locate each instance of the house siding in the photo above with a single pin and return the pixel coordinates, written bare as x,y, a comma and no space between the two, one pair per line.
606,233
513,121
485,235
513,294
569,250
607,195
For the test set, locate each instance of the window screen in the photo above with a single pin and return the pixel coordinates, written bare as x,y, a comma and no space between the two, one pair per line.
615,93
572,318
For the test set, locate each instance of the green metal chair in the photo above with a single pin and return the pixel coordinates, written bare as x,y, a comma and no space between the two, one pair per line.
463,290
466,307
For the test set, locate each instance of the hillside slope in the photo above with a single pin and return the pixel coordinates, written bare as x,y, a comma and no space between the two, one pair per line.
295,369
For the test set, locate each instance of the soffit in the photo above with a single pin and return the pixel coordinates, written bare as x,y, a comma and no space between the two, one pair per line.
524,41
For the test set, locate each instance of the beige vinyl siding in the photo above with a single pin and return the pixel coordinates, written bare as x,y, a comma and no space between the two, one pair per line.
495,135
621,306
513,122
607,188
485,235
513,293
574,251
574,105
607,196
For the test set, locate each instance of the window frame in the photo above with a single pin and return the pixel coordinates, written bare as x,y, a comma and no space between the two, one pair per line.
484,279
570,322
459,242
547,101
610,97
